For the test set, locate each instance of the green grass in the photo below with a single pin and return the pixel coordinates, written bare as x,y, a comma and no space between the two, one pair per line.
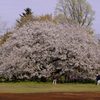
34,87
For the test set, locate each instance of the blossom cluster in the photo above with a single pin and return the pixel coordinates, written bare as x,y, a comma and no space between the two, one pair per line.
41,48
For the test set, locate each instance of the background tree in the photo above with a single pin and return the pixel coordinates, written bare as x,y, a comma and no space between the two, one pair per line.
27,12
46,17
4,32
3,26
79,11
4,37
28,15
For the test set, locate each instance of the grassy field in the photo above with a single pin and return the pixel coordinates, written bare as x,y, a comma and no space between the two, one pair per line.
34,87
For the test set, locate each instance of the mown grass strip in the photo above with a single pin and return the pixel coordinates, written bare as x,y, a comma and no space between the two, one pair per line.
34,87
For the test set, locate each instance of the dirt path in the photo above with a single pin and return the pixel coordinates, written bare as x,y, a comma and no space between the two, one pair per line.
51,96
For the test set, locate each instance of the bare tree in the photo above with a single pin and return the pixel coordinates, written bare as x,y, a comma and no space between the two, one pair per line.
3,27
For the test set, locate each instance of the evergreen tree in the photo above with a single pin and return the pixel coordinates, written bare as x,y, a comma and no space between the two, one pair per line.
27,12
28,15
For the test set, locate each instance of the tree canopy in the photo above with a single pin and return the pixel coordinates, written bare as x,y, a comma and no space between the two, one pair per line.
79,11
38,49
28,15
28,11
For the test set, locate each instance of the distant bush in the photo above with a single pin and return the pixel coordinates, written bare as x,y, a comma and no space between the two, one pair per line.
80,80
4,37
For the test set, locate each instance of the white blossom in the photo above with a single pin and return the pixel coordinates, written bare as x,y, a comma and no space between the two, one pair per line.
41,48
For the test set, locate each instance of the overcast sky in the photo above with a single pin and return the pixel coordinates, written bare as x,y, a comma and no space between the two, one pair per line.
10,9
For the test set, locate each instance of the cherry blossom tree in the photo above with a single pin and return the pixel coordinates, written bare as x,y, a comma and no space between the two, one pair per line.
38,49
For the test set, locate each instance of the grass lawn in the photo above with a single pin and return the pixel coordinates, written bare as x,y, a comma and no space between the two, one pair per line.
34,87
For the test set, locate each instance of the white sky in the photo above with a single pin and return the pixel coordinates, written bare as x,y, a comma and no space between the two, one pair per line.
10,9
